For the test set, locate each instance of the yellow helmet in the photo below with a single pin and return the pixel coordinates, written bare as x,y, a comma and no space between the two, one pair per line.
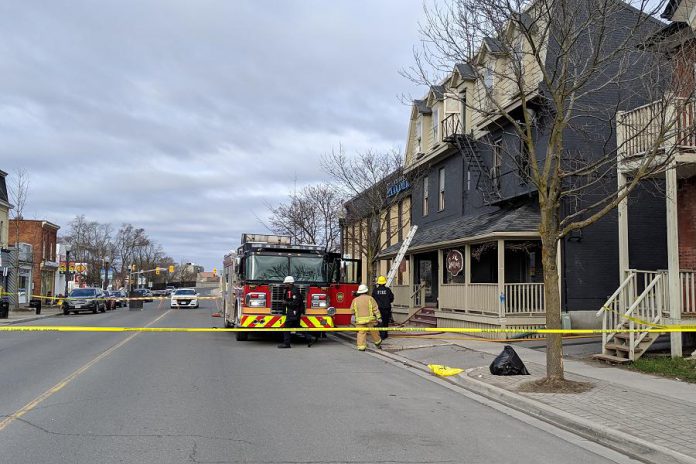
381,280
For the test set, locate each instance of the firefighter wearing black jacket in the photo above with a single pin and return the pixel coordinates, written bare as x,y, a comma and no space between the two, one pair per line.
384,297
294,308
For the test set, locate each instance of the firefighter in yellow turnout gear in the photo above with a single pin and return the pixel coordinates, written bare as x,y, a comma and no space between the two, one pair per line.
366,314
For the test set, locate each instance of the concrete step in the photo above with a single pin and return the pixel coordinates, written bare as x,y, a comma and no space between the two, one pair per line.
624,348
611,359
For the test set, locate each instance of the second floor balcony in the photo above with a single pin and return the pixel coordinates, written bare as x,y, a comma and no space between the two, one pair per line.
452,126
660,129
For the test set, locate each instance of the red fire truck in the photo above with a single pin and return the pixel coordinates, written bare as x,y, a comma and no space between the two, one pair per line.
253,290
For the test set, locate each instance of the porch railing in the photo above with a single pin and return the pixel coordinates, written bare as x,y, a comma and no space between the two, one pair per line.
525,298
688,287
653,126
402,295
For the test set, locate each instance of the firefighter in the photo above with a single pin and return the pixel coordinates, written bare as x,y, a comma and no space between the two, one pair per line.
294,308
384,298
366,314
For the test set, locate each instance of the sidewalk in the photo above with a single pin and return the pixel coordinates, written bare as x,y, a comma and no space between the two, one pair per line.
647,417
22,316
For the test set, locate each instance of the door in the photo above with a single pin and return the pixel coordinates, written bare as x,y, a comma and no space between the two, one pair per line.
426,273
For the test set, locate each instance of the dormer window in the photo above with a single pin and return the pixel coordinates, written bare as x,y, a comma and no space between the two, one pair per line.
488,77
436,126
419,134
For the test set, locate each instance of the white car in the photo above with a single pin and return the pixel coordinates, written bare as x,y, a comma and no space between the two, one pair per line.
184,298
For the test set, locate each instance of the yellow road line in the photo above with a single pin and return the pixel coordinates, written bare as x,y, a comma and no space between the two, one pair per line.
57,387
51,328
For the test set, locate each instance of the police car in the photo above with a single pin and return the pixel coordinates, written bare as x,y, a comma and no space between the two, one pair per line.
184,298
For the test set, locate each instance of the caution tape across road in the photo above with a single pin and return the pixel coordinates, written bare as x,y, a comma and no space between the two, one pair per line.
59,328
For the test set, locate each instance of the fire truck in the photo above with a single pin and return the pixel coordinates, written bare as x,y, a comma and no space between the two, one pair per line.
253,287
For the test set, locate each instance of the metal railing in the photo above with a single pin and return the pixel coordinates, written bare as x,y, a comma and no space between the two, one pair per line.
452,126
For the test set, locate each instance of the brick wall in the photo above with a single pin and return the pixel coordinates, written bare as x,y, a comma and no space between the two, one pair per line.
687,223
43,240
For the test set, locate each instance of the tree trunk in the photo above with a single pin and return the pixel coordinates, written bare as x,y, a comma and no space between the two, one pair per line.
552,295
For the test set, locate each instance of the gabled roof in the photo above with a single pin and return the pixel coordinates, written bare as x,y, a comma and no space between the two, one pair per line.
466,71
437,92
523,218
422,107
4,199
494,46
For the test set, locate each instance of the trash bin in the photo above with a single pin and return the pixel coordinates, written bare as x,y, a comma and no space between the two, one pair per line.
135,303
4,309
36,304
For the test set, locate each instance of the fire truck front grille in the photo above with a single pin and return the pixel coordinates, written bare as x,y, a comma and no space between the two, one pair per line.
278,297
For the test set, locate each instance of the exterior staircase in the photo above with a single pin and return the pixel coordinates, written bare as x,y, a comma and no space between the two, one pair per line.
424,317
638,305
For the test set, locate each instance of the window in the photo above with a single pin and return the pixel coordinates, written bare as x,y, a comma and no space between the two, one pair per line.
399,221
426,187
436,125
468,179
389,226
441,196
523,166
488,77
497,162
419,134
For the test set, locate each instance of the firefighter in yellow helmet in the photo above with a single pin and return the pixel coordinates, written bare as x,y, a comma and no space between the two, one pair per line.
384,298
367,315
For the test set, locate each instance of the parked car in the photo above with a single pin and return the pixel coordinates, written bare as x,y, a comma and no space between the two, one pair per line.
115,298
184,297
144,293
170,289
85,299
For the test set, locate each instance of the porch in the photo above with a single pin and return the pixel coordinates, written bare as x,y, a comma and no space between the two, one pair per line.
485,284
666,133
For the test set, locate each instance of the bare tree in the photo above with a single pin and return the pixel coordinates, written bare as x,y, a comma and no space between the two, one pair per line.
309,216
555,59
19,192
364,179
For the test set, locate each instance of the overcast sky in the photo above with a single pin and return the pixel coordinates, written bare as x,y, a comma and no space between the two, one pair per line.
186,117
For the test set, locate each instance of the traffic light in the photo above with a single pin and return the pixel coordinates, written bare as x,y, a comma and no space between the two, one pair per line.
215,271
171,269
132,267
157,270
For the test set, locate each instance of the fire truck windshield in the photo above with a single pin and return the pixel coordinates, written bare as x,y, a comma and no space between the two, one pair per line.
276,268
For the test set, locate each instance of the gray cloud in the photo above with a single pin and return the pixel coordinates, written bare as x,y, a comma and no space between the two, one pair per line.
150,112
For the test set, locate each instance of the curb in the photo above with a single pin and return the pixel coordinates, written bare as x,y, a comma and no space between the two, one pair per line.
30,319
617,440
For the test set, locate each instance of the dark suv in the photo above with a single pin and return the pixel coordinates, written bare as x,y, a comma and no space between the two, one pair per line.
85,299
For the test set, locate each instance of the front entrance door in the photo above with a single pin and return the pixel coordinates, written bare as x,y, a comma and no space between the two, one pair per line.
427,272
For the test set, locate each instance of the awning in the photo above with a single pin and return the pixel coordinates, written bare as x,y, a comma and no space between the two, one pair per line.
521,220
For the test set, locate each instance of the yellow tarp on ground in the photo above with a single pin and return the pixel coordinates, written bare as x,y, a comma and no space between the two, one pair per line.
444,371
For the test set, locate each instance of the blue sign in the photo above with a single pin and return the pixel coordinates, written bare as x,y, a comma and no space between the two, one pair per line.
398,187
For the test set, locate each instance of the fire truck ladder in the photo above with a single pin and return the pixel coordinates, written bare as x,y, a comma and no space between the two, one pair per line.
400,256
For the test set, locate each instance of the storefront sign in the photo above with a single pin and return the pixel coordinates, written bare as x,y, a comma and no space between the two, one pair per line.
398,187
455,262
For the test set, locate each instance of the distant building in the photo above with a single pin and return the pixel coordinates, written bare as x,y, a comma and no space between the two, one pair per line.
42,236
5,208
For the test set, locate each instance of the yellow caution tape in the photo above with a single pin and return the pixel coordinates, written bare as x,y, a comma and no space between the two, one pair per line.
632,318
50,328
138,298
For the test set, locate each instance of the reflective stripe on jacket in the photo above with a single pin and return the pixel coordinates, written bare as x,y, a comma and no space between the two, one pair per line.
365,309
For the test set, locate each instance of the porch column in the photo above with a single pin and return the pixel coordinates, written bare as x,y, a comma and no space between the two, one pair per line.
623,229
675,297
412,280
501,278
467,274
440,277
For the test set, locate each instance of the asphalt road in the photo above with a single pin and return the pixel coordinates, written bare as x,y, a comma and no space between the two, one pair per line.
206,398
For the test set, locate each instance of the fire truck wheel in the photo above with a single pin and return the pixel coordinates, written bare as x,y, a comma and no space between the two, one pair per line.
242,336
227,323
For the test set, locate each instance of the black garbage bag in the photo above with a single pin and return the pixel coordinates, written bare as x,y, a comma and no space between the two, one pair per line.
508,363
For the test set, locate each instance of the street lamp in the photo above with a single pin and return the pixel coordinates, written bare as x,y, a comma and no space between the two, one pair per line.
67,267
105,283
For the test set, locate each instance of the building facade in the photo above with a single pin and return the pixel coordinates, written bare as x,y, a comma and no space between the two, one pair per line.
661,134
43,238
5,261
476,256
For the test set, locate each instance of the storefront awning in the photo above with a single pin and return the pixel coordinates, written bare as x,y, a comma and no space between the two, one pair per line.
521,220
